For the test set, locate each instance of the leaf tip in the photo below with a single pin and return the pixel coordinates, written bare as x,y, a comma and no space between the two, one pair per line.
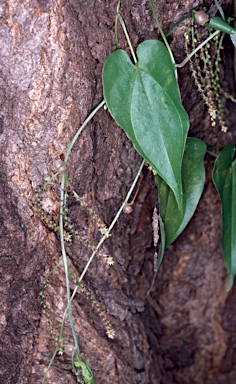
230,282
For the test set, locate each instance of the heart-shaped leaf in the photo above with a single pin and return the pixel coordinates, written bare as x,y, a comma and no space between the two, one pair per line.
193,178
224,177
144,100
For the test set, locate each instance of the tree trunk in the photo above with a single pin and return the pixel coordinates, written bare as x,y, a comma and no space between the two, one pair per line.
52,54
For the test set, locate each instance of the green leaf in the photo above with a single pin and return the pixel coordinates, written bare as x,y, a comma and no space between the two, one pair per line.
87,374
144,100
224,178
193,178
221,25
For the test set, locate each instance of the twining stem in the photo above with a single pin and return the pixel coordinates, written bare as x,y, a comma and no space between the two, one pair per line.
127,37
81,129
64,257
63,195
114,221
163,36
62,205
116,24
97,248
50,364
167,44
119,18
60,338
85,270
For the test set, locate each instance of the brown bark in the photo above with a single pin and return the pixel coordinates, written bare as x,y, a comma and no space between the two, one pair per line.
52,53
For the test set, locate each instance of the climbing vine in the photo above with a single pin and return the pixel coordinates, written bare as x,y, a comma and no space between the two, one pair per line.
142,95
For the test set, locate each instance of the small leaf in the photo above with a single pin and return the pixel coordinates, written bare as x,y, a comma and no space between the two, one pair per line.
221,25
144,100
87,374
224,178
193,178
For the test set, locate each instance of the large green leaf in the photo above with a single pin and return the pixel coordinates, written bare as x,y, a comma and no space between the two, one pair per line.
224,177
144,100
193,178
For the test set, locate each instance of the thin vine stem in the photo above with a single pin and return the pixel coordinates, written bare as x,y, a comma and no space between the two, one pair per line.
197,49
128,39
113,222
93,254
62,205
64,257
81,129
60,338
45,186
163,36
50,364
116,24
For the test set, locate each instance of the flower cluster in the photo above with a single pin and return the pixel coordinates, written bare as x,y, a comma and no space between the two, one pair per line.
70,231
97,307
205,70
44,207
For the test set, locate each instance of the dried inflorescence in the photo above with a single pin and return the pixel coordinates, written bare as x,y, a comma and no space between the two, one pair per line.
205,70
45,211
96,305
45,207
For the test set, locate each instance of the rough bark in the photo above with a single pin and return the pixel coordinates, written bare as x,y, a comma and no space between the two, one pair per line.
52,53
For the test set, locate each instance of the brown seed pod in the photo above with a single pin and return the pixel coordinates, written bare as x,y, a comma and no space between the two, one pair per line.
155,227
201,17
69,349
127,209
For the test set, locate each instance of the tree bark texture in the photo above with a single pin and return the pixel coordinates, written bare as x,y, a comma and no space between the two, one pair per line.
52,53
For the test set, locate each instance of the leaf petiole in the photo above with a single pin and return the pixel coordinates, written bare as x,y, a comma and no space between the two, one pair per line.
163,36
127,38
